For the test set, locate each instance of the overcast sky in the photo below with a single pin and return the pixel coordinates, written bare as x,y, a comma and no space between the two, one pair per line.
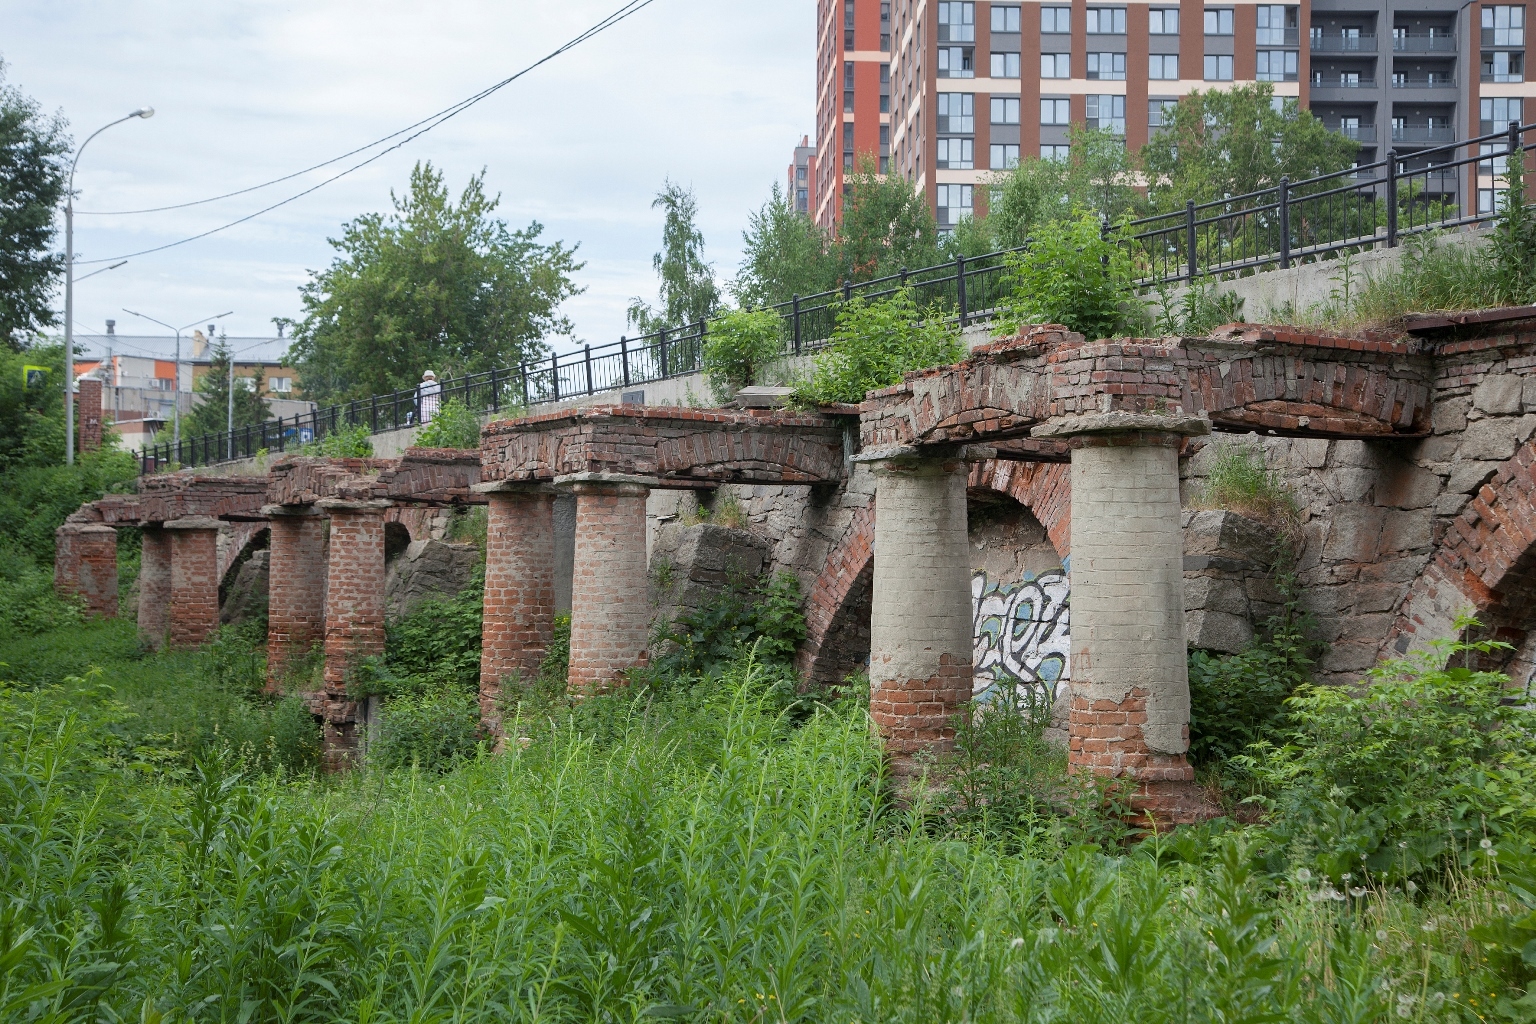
713,93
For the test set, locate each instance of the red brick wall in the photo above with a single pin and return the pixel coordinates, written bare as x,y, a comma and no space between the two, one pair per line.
90,415
155,586
835,586
519,593
295,592
98,570
354,616
194,581
66,560
610,603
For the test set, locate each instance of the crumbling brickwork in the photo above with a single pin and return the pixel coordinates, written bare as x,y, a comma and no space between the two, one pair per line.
194,606
295,591
85,566
354,616
519,617
610,610
155,587
89,414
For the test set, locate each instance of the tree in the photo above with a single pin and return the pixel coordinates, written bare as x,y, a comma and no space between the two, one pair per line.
1233,141
688,290
1097,177
212,416
886,226
785,254
432,285
33,178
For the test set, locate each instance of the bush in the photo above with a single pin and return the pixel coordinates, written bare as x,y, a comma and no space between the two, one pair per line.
1239,699
350,443
35,500
739,348
1072,276
874,344
28,603
454,426
433,730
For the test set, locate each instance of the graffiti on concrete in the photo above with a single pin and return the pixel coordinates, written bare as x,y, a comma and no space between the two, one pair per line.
1021,632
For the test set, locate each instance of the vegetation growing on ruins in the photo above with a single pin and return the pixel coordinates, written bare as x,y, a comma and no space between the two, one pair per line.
873,344
1238,479
454,426
740,349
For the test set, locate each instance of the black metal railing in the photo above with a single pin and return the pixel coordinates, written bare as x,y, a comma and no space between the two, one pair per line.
1363,207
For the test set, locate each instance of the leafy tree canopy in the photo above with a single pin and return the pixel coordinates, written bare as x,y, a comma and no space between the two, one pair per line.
33,177
432,286
886,226
688,290
212,416
1097,177
785,254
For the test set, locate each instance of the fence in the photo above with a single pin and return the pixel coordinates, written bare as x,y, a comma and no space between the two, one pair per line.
1363,207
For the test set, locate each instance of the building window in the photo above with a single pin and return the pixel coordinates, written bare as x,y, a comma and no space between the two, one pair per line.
957,22
802,200
885,28
1504,25
1160,112
1058,153
955,202
847,24
1277,66
1497,150
1107,113
1503,66
1055,65
1056,20
957,113
957,62
956,154
1005,156
1163,67
1005,110
1164,21
1497,112
1218,67
1218,21
1005,65
1277,25
1106,67
279,385
848,137
1054,111
1106,21
1005,19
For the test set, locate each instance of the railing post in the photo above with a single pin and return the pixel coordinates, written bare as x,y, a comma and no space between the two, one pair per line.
624,357
554,376
847,290
960,287
495,392
587,358
1513,145
698,352
796,308
373,414
522,371
1189,237
1391,198
1285,222
282,441
664,368
903,277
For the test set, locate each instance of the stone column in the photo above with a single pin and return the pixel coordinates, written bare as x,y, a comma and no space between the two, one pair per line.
354,616
920,629
519,588
295,589
155,586
610,602
194,602
85,566
1130,676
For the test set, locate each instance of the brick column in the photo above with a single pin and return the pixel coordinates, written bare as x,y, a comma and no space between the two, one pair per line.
85,566
295,589
194,611
354,616
90,413
155,586
610,604
920,633
519,588
1130,673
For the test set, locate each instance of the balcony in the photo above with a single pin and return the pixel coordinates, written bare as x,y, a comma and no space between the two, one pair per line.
1425,133
1363,43
1343,80
1277,37
1423,81
1437,43
1358,132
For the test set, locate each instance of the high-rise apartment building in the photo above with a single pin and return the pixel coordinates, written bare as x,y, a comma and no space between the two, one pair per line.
802,178
853,43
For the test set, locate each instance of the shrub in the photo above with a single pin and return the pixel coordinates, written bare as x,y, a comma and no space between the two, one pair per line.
1199,310
28,603
1239,480
350,443
874,344
438,645
454,426
35,501
434,730
704,641
1512,251
1239,699
739,348
1070,275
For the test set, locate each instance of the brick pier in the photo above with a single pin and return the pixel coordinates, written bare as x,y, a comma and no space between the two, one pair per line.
155,586
354,616
519,613
296,592
194,604
610,604
86,566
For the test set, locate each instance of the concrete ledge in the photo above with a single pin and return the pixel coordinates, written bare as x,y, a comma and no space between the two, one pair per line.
607,480
1123,423
344,505
193,523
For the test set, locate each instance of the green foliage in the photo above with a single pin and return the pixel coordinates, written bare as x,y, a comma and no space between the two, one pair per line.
1200,309
434,731
886,225
1400,776
28,604
34,171
1238,479
31,414
764,616
433,285
1237,700
1512,250
688,290
212,416
35,500
873,344
784,254
346,443
1070,275
437,647
453,426
739,348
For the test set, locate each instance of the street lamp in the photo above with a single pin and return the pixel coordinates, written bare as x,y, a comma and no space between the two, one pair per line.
176,390
69,287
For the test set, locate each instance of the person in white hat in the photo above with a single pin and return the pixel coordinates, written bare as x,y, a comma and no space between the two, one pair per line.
428,394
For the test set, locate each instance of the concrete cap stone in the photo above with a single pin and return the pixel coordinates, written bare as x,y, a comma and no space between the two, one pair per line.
1121,422
512,487
194,523
761,397
289,510
344,505
572,480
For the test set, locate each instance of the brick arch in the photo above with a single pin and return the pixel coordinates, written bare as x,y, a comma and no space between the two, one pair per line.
1485,564
1045,488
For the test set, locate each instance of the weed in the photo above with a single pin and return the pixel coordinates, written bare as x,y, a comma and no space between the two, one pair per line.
453,426
1239,480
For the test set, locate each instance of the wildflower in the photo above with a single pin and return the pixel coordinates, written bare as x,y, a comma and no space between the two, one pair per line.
1411,886
1486,844
1503,908
1436,1000
1403,845
1429,925
1346,876
1016,943
1405,1009
1190,892
1381,935
1303,876
1357,891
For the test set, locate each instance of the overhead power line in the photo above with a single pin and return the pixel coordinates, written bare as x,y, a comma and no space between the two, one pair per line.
415,131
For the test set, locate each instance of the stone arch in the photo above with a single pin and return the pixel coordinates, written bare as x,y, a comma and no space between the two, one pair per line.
1485,564
397,537
1045,488
243,585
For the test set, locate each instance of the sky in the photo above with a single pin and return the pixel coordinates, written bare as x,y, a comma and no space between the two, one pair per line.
711,93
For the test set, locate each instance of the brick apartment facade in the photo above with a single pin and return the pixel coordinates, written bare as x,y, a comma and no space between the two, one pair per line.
973,86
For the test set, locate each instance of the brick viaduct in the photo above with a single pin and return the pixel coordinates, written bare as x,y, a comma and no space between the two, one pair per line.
1414,459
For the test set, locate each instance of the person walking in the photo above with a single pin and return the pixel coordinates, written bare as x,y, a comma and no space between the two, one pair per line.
428,394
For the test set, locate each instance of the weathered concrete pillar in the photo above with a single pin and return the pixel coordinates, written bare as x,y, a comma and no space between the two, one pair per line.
295,588
920,630
519,617
85,566
194,611
354,616
1130,676
610,605
155,586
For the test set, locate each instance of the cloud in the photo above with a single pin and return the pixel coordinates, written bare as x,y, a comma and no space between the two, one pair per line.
713,93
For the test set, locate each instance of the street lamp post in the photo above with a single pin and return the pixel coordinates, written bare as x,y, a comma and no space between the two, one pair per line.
176,391
69,287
